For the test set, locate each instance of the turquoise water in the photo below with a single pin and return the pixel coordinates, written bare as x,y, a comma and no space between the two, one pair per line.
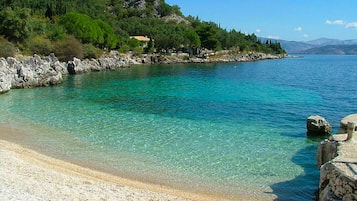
227,128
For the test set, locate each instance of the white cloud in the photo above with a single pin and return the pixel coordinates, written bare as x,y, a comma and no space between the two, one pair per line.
258,30
338,22
305,35
352,25
298,29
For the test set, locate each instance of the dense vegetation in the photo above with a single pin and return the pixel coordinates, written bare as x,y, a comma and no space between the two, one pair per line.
89,27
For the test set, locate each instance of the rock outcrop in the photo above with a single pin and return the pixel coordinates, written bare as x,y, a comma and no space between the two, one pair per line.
31,72
317,125
35,71
106,63
337,160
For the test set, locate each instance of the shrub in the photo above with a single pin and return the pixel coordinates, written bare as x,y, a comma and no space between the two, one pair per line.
68,48
40,45
185,58
89,51
124,49
7,49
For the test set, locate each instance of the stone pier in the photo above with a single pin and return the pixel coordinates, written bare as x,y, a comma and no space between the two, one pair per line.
337,160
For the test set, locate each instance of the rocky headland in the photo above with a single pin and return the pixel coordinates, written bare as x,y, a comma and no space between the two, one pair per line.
35,71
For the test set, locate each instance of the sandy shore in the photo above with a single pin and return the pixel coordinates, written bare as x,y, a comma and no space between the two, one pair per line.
28,175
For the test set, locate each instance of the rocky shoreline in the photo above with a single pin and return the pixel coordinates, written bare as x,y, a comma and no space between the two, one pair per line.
336,158
38,71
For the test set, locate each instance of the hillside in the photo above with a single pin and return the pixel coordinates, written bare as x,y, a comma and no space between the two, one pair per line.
333,49
320,46
93,26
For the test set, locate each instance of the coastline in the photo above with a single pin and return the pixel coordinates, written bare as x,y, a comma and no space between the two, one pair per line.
26,174
36,71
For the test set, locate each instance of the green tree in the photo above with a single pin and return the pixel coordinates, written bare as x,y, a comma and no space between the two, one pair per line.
208,37
82,27
193,40
49,12
13,23
55,31
110,39
150,47
133,43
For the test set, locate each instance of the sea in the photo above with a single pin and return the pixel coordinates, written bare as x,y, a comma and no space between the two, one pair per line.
227,128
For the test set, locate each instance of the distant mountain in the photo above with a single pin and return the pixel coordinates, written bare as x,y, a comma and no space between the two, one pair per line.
294,47
333,49
327,41
320,46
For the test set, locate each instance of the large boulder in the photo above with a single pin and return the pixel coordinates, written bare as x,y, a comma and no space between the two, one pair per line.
317,125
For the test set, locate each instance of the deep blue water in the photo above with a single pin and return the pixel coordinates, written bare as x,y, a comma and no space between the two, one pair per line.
231,128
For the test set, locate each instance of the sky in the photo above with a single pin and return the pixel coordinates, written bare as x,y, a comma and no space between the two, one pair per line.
293,20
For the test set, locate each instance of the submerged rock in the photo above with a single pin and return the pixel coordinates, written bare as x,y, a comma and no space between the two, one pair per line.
317,125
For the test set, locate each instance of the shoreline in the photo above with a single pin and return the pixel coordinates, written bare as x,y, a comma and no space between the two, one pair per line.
54,168
22,168
36,71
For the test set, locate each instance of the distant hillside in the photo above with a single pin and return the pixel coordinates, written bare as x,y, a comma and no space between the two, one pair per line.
333,49
320,46
294,47
327,41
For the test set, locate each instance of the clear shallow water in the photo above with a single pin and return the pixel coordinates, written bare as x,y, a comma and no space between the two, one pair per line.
225,128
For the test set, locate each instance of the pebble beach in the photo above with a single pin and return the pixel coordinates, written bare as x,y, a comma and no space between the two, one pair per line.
28,175
24,176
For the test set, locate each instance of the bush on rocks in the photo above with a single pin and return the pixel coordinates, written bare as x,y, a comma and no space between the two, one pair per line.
89,51
7,49
68,48
40,45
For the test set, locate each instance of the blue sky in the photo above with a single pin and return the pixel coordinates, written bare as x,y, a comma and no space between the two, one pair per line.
298,20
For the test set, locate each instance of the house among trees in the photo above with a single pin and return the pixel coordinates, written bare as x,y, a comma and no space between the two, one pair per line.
144,40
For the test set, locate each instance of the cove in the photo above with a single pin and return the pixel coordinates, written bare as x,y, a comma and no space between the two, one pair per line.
230,128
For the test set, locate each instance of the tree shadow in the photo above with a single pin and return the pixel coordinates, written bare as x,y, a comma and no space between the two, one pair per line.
304,186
